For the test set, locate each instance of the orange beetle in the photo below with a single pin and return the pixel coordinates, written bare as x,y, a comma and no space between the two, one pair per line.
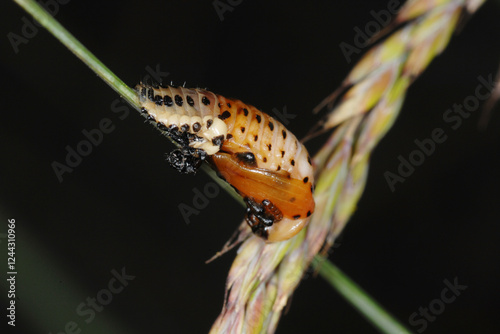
249,149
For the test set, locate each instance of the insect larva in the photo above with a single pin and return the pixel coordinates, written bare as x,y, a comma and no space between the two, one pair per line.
249,149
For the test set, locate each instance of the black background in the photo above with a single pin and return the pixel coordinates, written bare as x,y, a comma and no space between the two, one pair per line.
118,208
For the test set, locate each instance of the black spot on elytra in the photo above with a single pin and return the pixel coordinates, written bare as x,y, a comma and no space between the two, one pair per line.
258,118
205,101
226,114
306,179
248,158
245,111
167,100
189,100
178,100
296,217
271,126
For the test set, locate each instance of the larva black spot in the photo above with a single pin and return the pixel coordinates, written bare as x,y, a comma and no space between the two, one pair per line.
185,127
309,160
292,199
258,118
218,140
151,118
220,105
229,136
209,123
143,92
189,100
226,114
144,110
269,147
178,100
312,190
162,126
296,217
245,111
264,159
284,134
158,100
271,126
229,105
151,94
282,154
168,101
306,179
308,213
247,158
255,138
242,129
292,162
196,127
279,167
205,101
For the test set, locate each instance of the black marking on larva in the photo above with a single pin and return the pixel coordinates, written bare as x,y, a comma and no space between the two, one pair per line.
292,199
242,129
258,118
282,154
161,126
292,162
269,147
173,127
229,136
158,100
264,159
248,158
178,100
296,217
143,92
284,134
220,105
312,189
271,126
168,101
189,100
255,138
309,160
225,115
229,105
245,111
144,110
306,179
185,127
196,126
151,118
205,101
308,213
151,94
209,123
279,167
217,141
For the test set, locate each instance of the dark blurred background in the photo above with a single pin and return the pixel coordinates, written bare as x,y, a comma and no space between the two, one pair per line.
119,207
